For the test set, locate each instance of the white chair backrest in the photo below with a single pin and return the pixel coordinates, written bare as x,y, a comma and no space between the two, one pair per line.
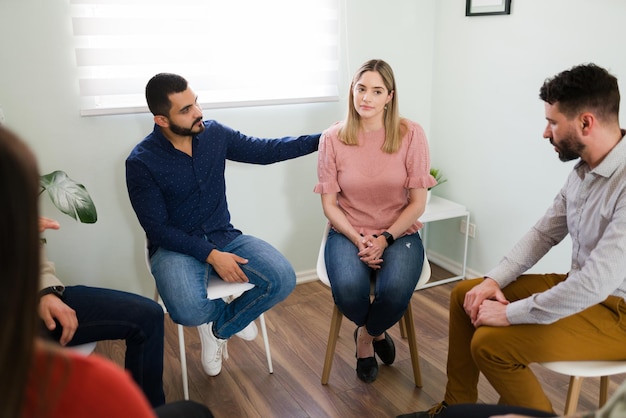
147,254
84,349
425,274
321,260
323,275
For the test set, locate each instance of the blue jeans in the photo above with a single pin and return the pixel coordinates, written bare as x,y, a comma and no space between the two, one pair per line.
106,314
182,279
350,280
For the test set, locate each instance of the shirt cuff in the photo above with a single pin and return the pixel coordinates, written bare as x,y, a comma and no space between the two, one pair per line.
517,312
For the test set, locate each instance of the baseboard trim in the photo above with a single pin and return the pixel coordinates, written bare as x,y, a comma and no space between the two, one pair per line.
306,276
452,266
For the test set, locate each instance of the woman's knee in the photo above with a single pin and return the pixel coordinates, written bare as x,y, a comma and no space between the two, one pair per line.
347,300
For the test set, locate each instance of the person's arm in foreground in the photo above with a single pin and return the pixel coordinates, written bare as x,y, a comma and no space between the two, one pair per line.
51,307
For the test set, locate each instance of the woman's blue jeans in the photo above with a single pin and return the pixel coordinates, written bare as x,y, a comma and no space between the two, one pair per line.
182,279
350,280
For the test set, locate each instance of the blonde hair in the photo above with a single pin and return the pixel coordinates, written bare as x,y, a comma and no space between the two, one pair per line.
394,127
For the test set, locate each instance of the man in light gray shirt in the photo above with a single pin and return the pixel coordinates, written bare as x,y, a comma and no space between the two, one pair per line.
501,323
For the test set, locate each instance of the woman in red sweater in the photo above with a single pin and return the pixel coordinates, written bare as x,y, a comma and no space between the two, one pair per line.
39,379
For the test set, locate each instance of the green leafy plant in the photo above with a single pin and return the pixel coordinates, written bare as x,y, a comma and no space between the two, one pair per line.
438,175
69,197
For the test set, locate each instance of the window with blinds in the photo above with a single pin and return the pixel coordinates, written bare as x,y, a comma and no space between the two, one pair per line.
232,52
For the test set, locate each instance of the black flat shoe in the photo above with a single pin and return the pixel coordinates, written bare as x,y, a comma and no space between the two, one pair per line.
366,368
385,349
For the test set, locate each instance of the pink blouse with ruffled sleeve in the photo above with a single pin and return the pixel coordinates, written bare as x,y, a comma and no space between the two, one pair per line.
371,185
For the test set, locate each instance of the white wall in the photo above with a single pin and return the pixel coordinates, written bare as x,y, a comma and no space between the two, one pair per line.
472,82
487,120
39,96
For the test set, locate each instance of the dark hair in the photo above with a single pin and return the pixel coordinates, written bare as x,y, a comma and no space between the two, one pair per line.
586,87
19,258
158,90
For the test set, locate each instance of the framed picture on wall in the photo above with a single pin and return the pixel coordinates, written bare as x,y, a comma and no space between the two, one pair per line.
487,7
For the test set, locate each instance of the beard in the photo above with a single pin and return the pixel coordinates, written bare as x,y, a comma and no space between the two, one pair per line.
569,147
182,131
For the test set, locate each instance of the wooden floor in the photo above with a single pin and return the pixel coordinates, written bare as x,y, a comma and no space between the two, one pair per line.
298,332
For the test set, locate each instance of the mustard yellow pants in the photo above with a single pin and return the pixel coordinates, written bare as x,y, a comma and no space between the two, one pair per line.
503,354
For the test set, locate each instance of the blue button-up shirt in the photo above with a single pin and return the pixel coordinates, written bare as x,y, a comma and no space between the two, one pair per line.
180,200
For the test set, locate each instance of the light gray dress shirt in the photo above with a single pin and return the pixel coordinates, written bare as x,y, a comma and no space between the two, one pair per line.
591,207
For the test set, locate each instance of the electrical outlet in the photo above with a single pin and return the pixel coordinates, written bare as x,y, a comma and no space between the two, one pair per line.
1,116
471,231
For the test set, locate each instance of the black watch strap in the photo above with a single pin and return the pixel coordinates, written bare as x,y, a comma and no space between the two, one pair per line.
390,239
52,290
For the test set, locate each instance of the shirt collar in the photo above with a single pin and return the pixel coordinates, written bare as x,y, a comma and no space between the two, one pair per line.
613,160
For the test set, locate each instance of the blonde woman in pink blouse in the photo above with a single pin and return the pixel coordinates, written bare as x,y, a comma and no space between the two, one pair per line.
373,172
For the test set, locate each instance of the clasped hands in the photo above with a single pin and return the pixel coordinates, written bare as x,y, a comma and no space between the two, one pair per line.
485,304
371,250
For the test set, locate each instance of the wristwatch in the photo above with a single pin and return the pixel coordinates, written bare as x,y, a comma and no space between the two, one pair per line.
388,237
52,290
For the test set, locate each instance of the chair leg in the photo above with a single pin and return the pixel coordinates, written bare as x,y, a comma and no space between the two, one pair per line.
333,335
410,331
575,383
402,324
604,390
183,360
268,354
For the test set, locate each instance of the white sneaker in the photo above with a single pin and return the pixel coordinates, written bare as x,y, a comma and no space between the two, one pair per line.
249,333
213,349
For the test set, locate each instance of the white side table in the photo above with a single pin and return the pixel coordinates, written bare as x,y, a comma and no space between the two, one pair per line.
439,209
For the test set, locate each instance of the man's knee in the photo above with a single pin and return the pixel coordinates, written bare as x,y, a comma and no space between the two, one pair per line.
457,296
278,280
495,344
189,313
285,284
481,346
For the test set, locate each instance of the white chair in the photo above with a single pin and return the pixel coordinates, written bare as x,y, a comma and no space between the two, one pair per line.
84,349
216,289
407,326
577,370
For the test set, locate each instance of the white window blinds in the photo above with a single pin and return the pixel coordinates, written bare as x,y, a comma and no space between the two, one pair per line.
232,52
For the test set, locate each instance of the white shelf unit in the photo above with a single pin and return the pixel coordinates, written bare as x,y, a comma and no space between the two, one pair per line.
439,209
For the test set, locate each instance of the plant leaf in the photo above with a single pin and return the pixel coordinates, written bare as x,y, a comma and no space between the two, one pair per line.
69,196
438,175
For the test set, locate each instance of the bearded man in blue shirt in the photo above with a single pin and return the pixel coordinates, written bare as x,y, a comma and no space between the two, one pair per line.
176,184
